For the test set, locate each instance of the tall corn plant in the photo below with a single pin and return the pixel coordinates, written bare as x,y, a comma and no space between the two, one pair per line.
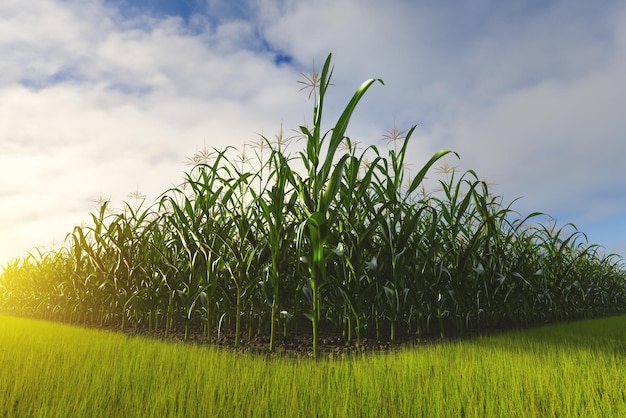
192,250
356,226
399,227
276,208
97,245
320,187
239,238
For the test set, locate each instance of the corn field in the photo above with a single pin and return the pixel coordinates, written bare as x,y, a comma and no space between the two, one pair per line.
331,234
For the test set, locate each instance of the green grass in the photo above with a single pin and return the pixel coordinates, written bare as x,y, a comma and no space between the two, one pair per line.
54,370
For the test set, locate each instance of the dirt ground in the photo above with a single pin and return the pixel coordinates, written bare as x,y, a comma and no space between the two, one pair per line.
330,344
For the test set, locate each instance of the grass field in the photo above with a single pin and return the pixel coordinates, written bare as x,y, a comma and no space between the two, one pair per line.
53,370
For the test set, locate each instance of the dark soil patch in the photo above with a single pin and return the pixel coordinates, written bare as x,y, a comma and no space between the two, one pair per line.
330,345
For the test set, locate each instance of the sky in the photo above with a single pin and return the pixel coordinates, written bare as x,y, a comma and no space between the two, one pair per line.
104,99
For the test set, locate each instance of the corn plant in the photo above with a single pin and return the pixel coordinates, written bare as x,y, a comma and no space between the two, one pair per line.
356,226
276,208
193,246
320,187
340,237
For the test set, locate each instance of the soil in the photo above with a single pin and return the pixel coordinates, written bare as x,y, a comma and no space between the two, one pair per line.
300,344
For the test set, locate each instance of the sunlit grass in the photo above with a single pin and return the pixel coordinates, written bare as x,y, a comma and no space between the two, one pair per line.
573,369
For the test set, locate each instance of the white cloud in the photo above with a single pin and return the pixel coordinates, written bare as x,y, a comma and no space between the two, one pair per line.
556,141
98,101
88,114
529,94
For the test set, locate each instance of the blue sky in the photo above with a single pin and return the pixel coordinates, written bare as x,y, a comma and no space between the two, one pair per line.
102,98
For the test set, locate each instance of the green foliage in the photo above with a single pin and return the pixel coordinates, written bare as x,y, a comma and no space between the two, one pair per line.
341,238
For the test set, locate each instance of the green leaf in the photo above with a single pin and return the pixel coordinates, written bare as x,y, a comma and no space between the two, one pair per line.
341,126
417,180
333,185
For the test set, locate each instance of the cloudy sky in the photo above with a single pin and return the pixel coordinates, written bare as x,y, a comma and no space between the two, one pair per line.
102,98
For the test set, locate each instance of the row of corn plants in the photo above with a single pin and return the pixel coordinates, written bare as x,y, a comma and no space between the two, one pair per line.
257,242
